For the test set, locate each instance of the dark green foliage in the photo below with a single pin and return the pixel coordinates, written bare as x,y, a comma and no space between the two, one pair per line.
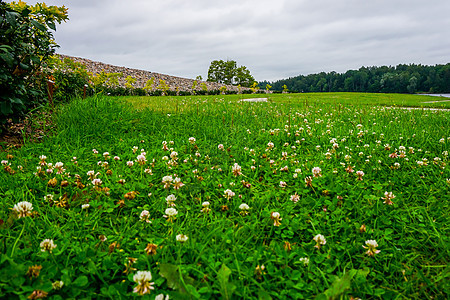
26,43
400,79
228,72
70,79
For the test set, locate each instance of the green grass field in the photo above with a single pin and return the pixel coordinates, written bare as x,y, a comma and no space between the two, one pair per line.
306,99
306,196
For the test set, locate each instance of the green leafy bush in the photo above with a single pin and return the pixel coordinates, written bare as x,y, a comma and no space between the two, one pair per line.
70,78
27,43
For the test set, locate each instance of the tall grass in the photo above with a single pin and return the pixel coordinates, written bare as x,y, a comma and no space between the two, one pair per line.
304,169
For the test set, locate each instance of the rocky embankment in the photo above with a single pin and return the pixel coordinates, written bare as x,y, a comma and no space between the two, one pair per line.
141,76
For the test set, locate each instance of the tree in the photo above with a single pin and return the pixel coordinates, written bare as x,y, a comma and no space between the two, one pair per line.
26,45
227,72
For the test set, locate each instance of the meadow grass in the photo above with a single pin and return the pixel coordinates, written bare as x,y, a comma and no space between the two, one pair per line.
183,103
207,197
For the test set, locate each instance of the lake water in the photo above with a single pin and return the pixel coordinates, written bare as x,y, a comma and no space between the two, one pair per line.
437,95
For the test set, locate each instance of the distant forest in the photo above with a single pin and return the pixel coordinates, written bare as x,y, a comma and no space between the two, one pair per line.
400,79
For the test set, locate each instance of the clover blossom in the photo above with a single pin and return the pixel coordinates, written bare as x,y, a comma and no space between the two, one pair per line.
57,285
47,245
96,182
23,209
144,286
244,209
276,217
304,260
317,172
228,194
170,213
145,216
167,180
177,184
294,198
360,175
388,196
141,159
182,238
170,200
236,170
371,246
320,241
161,297
205,207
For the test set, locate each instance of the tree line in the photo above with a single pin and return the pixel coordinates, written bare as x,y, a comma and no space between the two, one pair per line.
402,78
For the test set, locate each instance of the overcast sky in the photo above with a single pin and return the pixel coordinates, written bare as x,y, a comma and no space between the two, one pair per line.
274,39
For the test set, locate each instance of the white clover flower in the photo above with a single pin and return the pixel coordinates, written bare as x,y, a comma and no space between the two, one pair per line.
304,260
167,178
192,140
294,198
177,184
388,196
244,206
371,246
236,169
174,155
182,238
360,174
317,171
228,194
320,241
171,212
85,206
47,245
161,297
145,216
96,181
57,285
220,147
23,209
130,163
171,199
276,217
48,197
140,159
144,286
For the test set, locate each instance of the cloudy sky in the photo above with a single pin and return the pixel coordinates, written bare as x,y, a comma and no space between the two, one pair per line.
274,39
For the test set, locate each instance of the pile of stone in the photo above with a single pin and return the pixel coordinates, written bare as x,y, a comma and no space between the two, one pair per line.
174,83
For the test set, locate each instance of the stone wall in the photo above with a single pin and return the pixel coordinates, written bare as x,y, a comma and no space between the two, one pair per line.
141,76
